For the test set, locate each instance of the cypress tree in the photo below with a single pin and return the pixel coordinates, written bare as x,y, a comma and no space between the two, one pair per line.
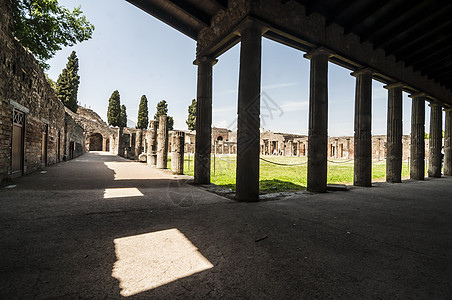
114,109
123,116
191,121
67,83
170,123
143,118
162,109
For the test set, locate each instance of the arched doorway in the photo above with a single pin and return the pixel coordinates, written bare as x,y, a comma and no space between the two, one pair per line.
95,142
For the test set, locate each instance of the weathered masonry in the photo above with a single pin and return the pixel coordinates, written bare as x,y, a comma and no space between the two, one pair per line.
98,135
404,44
35,131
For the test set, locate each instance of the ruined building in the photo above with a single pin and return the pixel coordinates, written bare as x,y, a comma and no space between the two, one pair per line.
369,42
35,130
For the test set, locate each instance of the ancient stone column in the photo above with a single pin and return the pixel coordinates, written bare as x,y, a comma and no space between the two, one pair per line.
318,120
417,149
121,142
152,144
203,120
248,118
448,143
394,134
162,143
177,153
138,143
436,140
363,128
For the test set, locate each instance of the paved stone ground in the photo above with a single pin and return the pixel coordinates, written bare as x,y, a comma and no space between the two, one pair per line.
102,227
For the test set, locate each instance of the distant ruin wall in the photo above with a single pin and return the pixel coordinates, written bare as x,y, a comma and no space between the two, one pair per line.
74,140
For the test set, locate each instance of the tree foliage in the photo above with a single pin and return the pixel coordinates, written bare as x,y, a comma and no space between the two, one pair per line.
123,116
44,27
67,83
143,114
191,121
162,109
51,82
114,110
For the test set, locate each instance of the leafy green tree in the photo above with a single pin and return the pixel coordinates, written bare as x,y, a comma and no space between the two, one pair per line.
67,83
51,82
123,116
191,121
162,109
114,110
44,27
143,114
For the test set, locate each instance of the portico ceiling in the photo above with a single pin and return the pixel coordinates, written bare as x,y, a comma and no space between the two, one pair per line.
416,32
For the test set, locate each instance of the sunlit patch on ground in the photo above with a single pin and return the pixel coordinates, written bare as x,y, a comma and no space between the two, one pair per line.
122,192
147,261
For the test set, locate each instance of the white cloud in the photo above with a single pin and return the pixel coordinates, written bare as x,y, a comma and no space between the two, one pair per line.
221,124
223,109
295,105
279,85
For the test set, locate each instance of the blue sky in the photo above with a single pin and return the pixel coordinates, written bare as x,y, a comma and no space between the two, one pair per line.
136,54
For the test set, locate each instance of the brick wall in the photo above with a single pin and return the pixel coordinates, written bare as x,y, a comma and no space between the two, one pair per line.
24,88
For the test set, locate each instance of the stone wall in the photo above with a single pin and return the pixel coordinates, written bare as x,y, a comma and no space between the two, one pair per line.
93,125
133,142
74,139
24,91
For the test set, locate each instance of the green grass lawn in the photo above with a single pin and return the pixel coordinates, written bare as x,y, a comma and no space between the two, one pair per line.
276,178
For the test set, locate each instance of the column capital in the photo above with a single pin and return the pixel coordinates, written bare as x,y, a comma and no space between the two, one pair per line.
434,103
251,22
447,108
394,85
418,95
319,51
363,71
205,59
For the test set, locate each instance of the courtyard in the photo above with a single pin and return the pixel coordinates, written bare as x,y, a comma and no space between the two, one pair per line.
104,227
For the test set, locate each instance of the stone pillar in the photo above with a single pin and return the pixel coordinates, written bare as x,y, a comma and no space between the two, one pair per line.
133,142
162,143
121,142
104,144
417,149
177,153
348,148
152,144
318,120
363,128
448,143
203,143
394,134
138,143
436,140
248,118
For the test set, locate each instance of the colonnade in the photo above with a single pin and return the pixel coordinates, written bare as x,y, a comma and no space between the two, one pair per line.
248,146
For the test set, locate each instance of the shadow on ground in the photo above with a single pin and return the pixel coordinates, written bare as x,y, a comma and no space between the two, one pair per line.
63,239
